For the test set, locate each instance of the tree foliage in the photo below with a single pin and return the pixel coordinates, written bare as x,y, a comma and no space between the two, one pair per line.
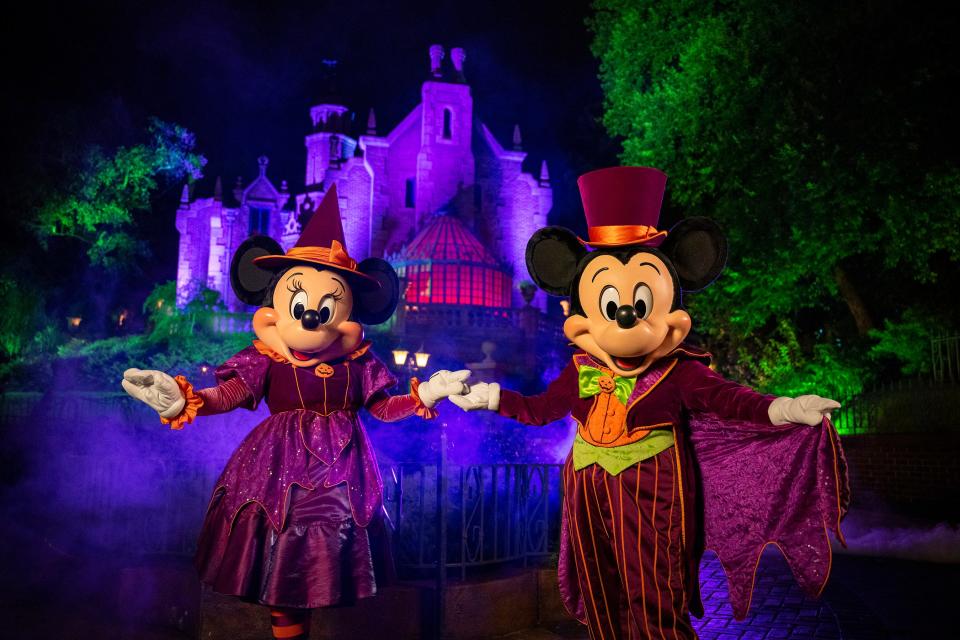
98,205
817,134
178,340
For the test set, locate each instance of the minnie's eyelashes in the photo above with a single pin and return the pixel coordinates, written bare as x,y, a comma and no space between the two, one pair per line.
297,286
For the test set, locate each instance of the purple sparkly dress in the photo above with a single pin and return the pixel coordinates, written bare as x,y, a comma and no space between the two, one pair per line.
296,519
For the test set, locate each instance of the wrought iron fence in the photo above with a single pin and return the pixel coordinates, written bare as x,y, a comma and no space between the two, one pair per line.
945,358
495,513
911,405
903,406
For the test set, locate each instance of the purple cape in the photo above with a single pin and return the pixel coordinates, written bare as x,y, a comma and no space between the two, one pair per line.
755,485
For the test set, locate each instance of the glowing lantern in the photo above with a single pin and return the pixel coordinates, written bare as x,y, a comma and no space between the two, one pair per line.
400,357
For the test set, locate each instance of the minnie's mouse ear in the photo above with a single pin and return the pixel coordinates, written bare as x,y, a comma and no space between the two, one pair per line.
250,281
373,304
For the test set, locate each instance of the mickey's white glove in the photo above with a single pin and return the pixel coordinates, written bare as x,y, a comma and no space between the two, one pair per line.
480,396
156,389
808,410
443,384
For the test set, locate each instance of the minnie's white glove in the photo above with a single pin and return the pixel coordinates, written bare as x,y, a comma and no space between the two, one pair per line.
808,410
441,385
479,396
156,389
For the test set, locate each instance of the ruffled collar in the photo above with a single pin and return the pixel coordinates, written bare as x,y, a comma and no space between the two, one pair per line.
321,367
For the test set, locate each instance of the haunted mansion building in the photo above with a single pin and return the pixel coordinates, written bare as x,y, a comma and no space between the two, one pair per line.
438,196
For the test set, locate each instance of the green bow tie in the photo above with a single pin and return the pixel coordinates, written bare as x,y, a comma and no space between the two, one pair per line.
588,380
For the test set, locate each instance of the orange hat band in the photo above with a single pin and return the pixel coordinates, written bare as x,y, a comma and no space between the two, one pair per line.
615,234
335,255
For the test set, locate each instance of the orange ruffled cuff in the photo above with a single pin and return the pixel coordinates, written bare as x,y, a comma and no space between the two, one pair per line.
190,407
421,410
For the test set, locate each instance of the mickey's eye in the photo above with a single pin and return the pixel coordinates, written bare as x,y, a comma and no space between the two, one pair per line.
609,302
643,301
298,304
327,306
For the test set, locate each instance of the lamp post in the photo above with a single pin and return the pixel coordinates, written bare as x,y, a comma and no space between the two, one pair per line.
410,363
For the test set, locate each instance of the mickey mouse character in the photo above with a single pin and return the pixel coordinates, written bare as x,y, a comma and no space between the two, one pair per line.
669,457
296,513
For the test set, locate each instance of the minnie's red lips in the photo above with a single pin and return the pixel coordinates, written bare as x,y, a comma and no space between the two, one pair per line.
303,356
628,364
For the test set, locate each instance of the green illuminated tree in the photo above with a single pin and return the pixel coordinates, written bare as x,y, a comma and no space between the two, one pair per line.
820,136
98,206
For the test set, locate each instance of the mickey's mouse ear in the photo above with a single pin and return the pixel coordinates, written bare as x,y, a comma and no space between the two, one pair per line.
698,250
553,254
250,281
375,304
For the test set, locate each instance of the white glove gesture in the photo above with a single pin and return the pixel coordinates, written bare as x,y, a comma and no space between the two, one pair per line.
443,384
479,396
156,389
808,410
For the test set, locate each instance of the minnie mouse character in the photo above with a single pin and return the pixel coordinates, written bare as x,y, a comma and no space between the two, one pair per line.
669,457
296,514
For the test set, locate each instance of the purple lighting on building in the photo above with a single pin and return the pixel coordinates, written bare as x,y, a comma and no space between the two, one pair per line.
437,158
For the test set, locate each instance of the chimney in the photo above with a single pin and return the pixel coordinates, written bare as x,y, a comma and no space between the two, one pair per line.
457,56
436,56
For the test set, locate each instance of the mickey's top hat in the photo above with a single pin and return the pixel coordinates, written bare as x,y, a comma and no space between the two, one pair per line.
320,243
622,206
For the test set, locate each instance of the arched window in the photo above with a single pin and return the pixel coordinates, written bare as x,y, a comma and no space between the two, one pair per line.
447,124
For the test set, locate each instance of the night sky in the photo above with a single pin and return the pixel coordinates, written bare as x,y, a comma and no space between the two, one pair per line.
243,75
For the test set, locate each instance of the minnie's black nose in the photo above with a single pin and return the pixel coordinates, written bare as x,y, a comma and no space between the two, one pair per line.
626,316
310,319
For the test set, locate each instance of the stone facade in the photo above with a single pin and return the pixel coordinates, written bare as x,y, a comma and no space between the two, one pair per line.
439,158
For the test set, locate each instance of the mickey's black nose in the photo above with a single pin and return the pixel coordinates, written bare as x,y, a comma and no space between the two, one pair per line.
310,319
626,316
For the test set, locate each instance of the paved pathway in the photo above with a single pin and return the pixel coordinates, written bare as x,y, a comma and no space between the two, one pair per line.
780,610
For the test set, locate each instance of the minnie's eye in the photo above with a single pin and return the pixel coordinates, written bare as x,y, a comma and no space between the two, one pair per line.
643,301
609,302
327,306
298,304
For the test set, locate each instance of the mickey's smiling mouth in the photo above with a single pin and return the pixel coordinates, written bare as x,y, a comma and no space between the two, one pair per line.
628,364
303,356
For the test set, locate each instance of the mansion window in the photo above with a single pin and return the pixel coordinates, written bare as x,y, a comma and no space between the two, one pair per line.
259,220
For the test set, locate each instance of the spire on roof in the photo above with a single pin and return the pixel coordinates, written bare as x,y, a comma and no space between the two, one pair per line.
517,140
371,123
218,190
544,174
185,194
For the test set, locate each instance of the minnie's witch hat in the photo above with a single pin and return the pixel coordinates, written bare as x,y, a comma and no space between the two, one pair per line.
321,243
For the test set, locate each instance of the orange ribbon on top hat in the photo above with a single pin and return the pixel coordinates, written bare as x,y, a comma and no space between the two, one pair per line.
622,206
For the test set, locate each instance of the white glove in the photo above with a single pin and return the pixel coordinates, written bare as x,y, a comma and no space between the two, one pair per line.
807,410
479,396
443,384
156,389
